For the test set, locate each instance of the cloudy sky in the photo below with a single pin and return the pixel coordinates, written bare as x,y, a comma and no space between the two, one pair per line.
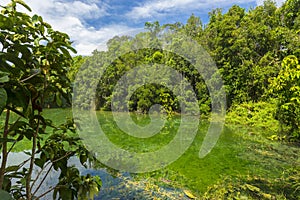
90,23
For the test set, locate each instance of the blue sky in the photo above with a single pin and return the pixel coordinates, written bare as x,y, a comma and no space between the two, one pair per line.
90,23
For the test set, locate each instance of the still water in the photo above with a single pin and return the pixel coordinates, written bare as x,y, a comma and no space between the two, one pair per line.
122,187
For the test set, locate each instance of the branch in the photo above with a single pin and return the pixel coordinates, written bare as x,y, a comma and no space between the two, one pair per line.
16,111
23,163
12,146
28,178
67,154
30,77
58,186
36,178
4,149
41,181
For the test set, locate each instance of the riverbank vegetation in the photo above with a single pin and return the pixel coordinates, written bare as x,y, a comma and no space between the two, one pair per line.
256,52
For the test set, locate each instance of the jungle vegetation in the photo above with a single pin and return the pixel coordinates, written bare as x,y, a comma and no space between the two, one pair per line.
256,51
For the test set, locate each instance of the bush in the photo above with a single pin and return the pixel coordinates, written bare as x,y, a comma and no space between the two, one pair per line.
254,115
286,87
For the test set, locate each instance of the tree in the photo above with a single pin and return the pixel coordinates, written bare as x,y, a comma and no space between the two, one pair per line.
286,86
34,64
193,27
290,14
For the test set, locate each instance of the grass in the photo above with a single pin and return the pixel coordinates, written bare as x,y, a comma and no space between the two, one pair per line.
241,157
58,116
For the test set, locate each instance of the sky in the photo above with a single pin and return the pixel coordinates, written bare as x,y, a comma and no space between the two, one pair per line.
91,23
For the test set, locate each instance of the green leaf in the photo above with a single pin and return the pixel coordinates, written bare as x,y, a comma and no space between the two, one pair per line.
13,168
58,99
83,158
64,51
97,180
18,97
5,195
4,77
55,194
37,41
18,125
3,99
24,49
65,194
28,134
252,188
18,62
72,49
35,18
39,162
5,22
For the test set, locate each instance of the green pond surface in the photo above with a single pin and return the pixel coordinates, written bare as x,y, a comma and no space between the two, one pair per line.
239,152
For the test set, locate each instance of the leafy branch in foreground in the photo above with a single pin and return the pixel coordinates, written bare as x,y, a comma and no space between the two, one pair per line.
34,61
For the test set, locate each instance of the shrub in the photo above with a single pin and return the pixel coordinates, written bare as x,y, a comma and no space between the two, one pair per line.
254,115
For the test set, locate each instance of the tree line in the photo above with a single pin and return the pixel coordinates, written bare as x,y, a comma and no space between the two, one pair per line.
255,51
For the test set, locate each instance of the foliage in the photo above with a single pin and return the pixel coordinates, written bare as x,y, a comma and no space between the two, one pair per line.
290,15
285,187
272,171
247,47
286,87
34,63
5,195
73,70
145,95
254,115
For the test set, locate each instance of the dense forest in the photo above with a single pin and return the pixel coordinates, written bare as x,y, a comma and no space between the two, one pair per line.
256,82
256,53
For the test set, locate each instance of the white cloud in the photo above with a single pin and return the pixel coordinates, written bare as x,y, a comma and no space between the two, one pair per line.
56,8
161,8
69,16
88,39
77,8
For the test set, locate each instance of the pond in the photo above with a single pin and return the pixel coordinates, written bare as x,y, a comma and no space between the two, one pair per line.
240,152
120,186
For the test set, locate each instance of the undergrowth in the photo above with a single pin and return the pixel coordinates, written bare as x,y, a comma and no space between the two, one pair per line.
259,115
255,187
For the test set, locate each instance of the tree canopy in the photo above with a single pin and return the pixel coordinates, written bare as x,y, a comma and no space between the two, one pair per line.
248,48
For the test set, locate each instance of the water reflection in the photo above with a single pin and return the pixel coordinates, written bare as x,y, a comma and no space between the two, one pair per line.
121,187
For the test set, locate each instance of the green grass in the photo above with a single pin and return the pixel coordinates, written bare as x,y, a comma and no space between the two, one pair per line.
240,153
58,116
240,157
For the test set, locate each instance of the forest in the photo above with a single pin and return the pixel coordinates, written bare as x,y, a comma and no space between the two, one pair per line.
249,70
256,53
